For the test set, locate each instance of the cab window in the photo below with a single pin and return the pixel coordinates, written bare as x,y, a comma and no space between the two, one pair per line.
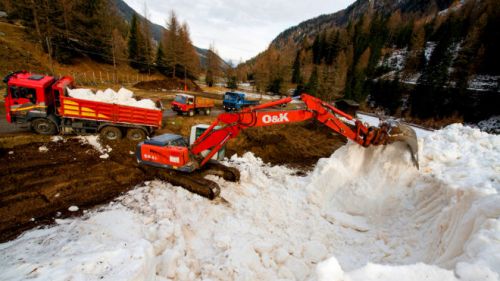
13,92
180,99
178,142
23,93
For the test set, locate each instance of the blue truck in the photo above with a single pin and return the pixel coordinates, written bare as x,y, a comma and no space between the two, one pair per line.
234,101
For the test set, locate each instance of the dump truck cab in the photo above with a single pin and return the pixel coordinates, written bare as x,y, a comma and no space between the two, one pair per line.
236,101
182,102
188,104
28,96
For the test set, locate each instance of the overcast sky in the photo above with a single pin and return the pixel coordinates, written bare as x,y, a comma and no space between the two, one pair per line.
239,29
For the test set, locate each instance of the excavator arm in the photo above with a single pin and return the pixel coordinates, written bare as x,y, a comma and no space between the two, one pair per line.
258,116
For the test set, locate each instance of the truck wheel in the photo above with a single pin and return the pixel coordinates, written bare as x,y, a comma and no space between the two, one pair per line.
111,133
191,113
136,134
43,126
207,111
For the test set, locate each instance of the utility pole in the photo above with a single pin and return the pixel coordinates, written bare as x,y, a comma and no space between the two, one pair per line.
49,49
185,78
114,61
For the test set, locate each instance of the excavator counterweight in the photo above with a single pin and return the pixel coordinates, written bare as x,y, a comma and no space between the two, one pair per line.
173,153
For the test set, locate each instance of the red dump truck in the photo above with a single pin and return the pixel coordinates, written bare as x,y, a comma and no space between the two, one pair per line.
42,102
190,105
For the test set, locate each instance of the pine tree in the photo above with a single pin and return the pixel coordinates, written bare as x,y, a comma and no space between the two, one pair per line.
332,47
296,71
313,84
231,81
133,42
316,49
430,96
160,59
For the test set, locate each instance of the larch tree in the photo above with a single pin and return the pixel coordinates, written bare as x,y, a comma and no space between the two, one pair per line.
147,45
172,44
188,58
213,66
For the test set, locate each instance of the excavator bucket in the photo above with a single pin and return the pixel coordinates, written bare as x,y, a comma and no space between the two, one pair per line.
404,133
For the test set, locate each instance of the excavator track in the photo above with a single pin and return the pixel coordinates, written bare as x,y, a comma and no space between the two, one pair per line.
195,182
217,169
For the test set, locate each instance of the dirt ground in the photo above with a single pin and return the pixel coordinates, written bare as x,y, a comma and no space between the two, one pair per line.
36,185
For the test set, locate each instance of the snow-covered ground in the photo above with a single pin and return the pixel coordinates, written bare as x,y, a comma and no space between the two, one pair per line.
491,125
397,58
362,214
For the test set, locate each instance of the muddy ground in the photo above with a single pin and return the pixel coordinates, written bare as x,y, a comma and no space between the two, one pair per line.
37,187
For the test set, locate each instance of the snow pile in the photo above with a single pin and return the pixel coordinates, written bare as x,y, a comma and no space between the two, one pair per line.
57,139
485,83
122,97
362,214
447,215
93,140
491,125
43,148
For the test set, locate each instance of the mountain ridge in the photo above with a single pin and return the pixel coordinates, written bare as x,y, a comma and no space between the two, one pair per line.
355,11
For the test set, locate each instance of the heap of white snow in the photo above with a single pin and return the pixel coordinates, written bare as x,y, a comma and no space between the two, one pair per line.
491,125
122,97
362,214
93,140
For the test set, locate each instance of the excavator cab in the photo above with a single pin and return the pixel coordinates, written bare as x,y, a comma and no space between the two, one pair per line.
196,132
171,151
168,151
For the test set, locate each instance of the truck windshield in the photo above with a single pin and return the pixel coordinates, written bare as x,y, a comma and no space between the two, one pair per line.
229,96
180,99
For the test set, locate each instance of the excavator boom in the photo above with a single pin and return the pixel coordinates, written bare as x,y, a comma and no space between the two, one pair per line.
259,116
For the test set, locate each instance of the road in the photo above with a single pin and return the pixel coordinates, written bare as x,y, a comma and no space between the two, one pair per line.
6,127
170,113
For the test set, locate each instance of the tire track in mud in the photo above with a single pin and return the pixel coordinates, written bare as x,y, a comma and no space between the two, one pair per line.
39,186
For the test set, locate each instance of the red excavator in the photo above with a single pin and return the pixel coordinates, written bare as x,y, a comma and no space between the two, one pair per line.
174,153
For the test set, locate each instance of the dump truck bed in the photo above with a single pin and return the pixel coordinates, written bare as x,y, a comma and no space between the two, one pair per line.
201,102
108,112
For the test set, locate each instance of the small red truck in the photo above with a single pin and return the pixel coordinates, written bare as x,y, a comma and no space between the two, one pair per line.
190,104
42,102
